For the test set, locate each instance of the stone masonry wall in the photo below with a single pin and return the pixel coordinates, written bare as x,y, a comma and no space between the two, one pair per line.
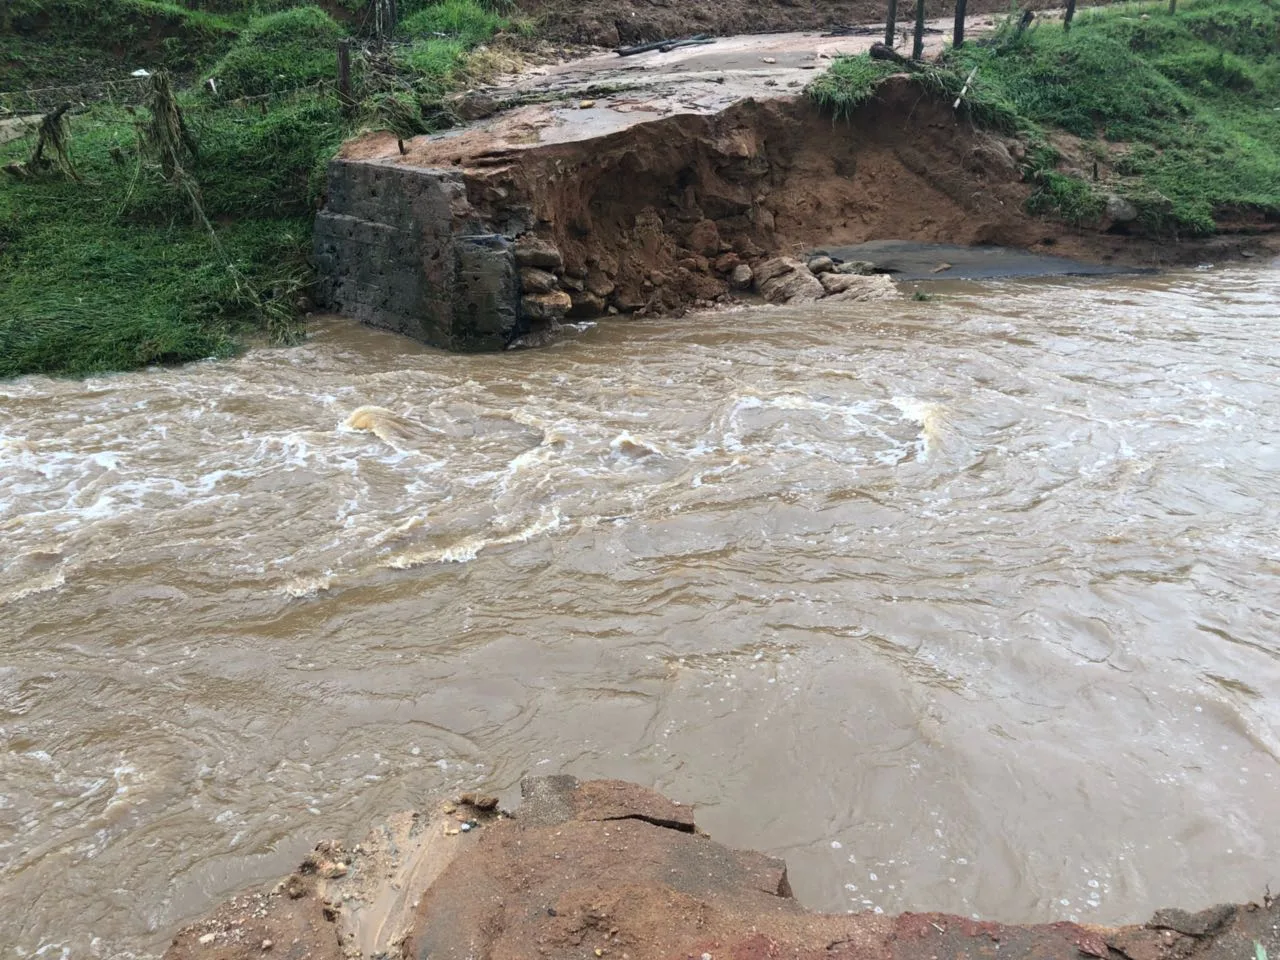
397,248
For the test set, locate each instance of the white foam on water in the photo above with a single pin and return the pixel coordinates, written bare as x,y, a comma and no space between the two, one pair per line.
381,422
468,548
632,447
930,417
305,587
50,580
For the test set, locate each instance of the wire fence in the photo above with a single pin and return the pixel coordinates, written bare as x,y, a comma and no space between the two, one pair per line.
373,55
133,93
116,92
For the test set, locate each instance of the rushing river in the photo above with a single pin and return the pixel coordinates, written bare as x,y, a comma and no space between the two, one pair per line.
968,605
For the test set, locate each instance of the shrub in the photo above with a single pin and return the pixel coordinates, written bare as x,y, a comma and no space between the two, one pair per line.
280,51
464,21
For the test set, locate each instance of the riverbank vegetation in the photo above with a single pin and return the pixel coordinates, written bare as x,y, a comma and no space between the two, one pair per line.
115,259
1173,113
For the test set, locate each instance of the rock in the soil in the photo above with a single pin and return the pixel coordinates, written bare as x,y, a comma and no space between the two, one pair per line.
547,306
704,238
856,266
821,265
848,287
587,304
991,154
787,280
533,280
543,337
1120,210
533,251
838,282
1200,924
474,105
742,277
599,283
727,262
777,267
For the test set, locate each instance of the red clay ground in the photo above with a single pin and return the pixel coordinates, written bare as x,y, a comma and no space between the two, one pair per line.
610,22
654,194
609,869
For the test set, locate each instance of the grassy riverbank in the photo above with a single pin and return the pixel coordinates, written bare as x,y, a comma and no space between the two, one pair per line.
1179,112
119,261
113,263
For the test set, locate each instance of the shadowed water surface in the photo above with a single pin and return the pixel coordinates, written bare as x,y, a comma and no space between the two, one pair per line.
967,605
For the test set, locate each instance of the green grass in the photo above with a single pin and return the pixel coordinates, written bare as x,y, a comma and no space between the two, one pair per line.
465,21
849,83
852,81
107,274
440,35
113,271
1180,108
50,42
280,51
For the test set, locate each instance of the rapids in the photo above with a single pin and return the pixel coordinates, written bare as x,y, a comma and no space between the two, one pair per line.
967,605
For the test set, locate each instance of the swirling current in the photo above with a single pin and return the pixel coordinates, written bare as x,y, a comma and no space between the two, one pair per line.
968,605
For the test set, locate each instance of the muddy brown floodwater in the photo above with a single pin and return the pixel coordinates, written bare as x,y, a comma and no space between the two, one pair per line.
967,605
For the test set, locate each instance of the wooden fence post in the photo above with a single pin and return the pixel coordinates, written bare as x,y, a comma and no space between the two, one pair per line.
1071,12
917,48
958,37
1173,6
891,23
344,75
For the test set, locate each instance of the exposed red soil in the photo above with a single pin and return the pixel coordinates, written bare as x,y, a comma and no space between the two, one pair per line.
656,216
610,22
611,870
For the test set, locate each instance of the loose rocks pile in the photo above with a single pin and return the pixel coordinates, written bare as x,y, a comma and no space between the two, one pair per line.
788,280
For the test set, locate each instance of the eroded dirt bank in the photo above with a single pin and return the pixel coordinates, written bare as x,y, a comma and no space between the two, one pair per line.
606,868
677,194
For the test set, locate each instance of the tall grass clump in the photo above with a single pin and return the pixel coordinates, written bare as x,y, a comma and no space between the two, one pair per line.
280,51
441,34
466,21
408,8
848,84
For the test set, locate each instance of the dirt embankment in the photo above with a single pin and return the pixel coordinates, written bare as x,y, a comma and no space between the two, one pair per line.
662,214
610,22
605,869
